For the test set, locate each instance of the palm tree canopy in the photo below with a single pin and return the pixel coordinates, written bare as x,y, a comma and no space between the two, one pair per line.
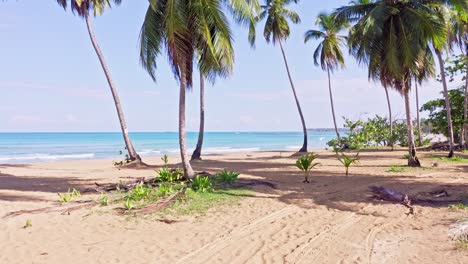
277,16
328,53
192,29
84,7
393,38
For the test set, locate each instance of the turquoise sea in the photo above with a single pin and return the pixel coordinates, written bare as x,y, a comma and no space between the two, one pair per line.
42,147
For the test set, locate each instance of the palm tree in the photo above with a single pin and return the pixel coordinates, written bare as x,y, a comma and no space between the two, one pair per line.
439,45
390,120
418,121
196,155
389,106
84,8
459,27
328,53
277,30
190,29
393,39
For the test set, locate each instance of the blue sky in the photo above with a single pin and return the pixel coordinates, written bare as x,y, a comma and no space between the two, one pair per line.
51,79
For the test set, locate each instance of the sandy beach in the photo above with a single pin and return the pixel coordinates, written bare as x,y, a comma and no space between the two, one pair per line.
331,220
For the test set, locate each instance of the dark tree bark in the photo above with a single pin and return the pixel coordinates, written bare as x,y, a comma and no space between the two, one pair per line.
197,152
123,125
304,145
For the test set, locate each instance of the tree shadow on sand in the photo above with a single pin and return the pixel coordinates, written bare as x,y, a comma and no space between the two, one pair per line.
336,191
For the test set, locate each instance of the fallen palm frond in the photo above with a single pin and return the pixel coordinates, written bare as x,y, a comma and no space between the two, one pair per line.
63,209
404,199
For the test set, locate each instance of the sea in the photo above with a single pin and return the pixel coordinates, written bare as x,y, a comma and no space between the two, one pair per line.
45,147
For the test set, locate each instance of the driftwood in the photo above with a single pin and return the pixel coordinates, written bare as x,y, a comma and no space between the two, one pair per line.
159,205
389,195
66,209
441,146
251,182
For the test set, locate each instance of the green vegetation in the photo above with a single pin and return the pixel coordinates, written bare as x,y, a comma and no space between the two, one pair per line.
202,184
459,206
306,163
128,204
452,159
394,168
168,175
227,177
104,200
200,202
28,224
347,161
68,196
437,119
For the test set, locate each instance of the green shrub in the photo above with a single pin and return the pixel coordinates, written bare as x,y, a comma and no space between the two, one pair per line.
167,175
68,196
459,206
104,200
347,161
306,163
128,204
394,168
165,189
227,177
202,184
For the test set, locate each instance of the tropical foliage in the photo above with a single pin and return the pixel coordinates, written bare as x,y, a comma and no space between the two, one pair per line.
347,161
437,118
306,163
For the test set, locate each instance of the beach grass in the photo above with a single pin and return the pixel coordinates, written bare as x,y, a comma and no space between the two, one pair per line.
198,203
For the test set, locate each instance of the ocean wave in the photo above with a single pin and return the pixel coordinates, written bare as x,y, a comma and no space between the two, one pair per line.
146,152
293,147
42,156
228,150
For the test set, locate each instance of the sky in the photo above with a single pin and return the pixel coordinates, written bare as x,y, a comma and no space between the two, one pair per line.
51,79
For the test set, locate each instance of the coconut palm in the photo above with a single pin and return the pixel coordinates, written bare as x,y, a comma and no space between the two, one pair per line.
443,13
389,106
85,8
459,27
277,30
394,51
418,121
196,155
190,29
328,53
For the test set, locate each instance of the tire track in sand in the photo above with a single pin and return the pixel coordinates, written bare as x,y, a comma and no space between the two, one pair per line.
204,254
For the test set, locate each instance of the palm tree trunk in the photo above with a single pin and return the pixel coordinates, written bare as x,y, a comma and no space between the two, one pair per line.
418,121
447,102
465,115
133,156
188,171
412,159
389,117
333,107
304,145
197,152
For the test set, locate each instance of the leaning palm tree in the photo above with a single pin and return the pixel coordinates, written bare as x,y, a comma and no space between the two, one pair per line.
187,29
84,8
389,106
459,28
277,30
196,155
443,12
328,53
394,51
